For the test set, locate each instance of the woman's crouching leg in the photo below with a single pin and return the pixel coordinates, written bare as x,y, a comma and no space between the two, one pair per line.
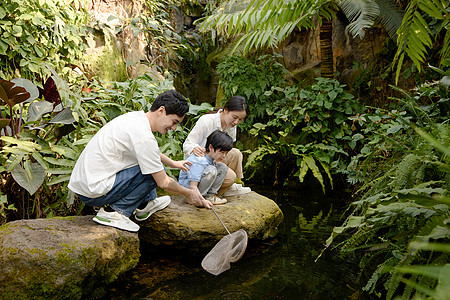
229,180
234,160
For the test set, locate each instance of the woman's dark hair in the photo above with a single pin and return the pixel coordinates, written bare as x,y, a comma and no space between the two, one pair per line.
235,103
219,140
173,102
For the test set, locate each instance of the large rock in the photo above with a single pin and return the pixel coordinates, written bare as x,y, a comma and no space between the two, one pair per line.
62,258
182,225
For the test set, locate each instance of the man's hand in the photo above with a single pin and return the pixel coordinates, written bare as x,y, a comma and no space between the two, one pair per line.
199,151
195,198
182,164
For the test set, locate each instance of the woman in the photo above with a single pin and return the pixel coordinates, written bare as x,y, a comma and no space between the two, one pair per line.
225,119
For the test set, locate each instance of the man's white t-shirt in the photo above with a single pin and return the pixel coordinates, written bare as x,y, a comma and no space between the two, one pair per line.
124,142
204,126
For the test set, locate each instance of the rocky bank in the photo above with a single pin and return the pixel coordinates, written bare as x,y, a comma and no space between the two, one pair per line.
72,257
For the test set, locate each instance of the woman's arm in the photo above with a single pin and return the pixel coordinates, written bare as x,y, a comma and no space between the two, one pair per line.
197,136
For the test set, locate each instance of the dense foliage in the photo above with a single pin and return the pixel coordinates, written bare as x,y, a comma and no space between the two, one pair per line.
399,222
34,32
396,157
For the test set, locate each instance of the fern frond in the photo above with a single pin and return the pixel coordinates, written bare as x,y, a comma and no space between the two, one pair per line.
414,35
386,266
395,278
404,175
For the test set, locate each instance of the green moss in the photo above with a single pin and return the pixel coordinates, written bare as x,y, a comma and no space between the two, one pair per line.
106,63
68,218
6,228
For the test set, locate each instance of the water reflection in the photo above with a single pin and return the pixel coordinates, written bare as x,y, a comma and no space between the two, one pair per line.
282,268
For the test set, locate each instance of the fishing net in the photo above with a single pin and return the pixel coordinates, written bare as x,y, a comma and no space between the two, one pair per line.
229,249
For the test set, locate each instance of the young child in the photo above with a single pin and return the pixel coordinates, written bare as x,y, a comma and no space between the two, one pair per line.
207,173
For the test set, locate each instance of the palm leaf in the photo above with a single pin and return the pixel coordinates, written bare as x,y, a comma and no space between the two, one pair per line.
361,14
390,16
264,23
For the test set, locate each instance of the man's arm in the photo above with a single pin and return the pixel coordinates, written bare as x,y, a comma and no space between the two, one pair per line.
192,196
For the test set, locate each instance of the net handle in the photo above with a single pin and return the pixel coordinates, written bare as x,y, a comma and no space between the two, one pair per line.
220,220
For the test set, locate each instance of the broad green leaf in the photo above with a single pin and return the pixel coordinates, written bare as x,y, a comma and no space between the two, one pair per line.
64,117
28,86
60,161
59,171
24,145
59,179
30,181
38,109
16,160
65,151
70,198
38,157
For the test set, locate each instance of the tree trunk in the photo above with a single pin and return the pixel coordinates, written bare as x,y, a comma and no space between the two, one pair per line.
326,49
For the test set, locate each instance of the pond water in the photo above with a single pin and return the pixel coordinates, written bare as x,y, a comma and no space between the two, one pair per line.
282,268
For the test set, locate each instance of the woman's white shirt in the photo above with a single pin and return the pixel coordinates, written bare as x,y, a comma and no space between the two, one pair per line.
205,125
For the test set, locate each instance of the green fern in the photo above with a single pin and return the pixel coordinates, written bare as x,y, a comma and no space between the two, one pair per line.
395,277
404,174
381,269
415,36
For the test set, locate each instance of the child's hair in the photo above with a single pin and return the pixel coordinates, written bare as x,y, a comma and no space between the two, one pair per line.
219,140
173,102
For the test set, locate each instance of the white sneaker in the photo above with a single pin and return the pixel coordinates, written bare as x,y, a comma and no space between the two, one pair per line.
237,189
214,199
152,207
114,219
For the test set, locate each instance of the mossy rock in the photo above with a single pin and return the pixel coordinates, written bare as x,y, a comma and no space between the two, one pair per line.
62,258
182,225
105,59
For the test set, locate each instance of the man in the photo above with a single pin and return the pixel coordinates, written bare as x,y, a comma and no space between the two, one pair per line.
122,165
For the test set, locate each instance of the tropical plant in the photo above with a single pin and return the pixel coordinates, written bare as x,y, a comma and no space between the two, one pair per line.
264,23
404,201
364,14
423,21
28,149
267,23
305,129
251,79
154,24
34,32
